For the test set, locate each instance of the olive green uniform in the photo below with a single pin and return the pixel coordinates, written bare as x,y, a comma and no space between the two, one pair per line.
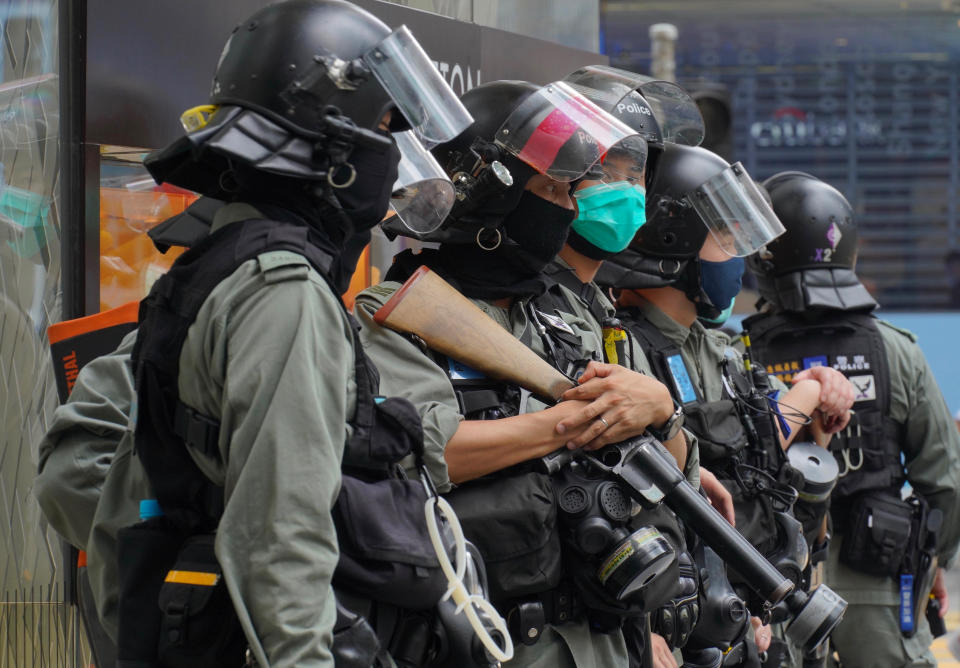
636,362
406,371
76,451
703,351
869,635
271,356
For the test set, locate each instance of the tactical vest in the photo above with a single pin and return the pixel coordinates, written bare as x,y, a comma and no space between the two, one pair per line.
377,515
868,450
717,425
511,515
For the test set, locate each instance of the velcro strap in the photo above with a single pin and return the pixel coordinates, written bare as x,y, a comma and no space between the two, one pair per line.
473,401
197,430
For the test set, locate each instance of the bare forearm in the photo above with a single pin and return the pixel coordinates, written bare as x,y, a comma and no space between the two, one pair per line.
803,397
480,447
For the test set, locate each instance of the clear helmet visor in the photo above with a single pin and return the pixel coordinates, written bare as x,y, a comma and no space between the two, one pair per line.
737,215
422,194
679,116
407,74
675,112
623,163
561,133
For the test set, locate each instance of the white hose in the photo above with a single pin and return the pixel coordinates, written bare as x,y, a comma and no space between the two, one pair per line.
466,602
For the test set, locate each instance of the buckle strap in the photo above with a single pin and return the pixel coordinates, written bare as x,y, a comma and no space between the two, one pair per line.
197,430
527,618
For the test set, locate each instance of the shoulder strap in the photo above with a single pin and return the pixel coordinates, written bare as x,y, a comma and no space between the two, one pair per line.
587,293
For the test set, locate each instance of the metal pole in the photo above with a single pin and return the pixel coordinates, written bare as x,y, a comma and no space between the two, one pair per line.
663,42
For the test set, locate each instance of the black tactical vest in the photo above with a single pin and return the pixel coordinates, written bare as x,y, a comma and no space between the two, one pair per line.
868,450
384,429
716,424
163,426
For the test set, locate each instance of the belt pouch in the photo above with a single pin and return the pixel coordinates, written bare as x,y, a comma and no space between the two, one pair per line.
878,533
145,552
199,626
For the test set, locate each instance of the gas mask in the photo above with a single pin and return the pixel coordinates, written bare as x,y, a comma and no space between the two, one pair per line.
633,567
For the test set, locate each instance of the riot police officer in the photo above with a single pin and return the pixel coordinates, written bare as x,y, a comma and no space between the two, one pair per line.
817,314
241,419
610,210
482,437
682,270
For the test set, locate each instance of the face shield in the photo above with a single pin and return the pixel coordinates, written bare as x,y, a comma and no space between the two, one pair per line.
735,212
416,87
673,109
423,195
561,134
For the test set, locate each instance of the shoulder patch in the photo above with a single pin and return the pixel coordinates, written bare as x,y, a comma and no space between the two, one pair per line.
906,332
283,265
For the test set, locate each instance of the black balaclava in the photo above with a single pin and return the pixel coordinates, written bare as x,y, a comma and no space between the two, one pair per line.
514,268
367,199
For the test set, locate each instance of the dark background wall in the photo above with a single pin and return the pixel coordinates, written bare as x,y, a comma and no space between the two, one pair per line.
148,62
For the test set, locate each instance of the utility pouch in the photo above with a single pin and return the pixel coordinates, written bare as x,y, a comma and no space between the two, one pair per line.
878,533
718,428
512,520
385,550
145,552
198,624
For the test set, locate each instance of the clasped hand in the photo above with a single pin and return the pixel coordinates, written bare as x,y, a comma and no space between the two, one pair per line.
622,403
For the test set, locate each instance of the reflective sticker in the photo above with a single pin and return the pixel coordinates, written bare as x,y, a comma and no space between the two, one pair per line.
852,363
681,379
810,362
459,371
556,323
906,602
193,578
865,387
834,236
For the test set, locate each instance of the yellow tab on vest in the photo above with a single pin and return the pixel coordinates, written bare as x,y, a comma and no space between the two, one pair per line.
193,578
611,336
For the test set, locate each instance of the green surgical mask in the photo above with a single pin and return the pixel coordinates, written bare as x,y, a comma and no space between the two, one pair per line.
609,214
716,323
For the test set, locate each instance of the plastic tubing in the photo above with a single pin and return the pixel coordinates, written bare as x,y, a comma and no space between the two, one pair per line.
466,602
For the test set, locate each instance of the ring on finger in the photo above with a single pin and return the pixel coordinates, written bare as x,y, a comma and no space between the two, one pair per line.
605,423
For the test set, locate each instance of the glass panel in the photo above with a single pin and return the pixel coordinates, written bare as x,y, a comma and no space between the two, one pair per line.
36,627
131,203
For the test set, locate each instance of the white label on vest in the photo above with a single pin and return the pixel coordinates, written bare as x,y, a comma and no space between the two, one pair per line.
864,387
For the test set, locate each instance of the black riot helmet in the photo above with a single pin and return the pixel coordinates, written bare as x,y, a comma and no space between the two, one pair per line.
299,91
812,264
694,192
275,54
821,230
659,111
674,229
519,130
